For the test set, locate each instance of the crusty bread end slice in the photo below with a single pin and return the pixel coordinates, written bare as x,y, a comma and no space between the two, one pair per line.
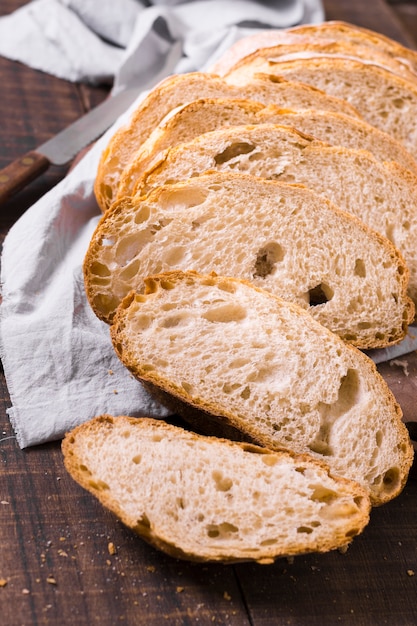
338,30
367,40
208,499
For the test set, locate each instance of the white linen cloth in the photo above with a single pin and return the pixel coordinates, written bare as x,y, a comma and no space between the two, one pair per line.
135,42
58,360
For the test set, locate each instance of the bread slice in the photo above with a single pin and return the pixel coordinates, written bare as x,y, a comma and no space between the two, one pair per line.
317,47
328,31
177,90
216,348
383,98
384,196
261,39
338,30
208,499
208,114
281,237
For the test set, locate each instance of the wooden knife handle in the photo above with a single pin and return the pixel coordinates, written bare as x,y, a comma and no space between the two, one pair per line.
20,173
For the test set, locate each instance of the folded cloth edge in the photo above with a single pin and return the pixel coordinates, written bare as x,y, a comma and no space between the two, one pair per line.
21,304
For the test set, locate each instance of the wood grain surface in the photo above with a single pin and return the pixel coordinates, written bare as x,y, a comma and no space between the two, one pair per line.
65,560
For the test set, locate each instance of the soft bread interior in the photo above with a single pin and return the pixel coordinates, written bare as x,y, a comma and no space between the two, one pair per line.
210,499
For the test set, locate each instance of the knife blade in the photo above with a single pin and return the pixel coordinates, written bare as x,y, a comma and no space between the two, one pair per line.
63,147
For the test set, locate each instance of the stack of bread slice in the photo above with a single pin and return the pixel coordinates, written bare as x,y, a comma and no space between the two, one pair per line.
259,229
206,114
376,76
382,195
178,90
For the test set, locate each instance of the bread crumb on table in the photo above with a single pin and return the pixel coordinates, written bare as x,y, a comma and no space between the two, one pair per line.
401,363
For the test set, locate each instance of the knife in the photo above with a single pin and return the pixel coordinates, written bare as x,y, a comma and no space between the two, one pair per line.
64,146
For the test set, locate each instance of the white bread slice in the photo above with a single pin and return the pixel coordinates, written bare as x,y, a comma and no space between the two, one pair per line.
176,91
328,31
383,98
220,349
318,47
208,499
281,237
384,196
208,114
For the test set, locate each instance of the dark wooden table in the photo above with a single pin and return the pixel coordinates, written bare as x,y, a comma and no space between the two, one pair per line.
64,560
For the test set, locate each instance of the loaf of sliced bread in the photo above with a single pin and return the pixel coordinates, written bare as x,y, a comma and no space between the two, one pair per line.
176,91
208,114
209,499
329,31
216,348
384,196
281,237
384,99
